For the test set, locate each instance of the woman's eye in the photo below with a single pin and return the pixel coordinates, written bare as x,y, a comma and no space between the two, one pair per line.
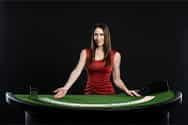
99,34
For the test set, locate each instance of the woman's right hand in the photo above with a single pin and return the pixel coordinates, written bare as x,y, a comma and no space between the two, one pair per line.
133,93
60,92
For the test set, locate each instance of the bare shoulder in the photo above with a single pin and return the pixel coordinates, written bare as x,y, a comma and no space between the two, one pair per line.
117,55
83,52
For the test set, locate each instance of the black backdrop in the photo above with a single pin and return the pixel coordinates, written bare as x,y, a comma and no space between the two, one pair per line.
41,42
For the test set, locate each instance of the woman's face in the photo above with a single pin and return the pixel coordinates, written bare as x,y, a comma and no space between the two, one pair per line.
99,36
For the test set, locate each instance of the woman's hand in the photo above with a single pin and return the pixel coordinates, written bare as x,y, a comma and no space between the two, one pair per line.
60,92
132,93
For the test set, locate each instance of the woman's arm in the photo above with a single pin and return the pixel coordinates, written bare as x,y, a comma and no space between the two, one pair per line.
77,70
61,92
116,76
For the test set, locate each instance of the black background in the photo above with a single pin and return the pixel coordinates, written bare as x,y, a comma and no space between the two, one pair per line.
40,44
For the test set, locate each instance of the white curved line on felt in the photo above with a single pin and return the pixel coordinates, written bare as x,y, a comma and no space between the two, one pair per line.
142,100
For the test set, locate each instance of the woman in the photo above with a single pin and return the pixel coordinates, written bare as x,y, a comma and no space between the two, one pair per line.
100,61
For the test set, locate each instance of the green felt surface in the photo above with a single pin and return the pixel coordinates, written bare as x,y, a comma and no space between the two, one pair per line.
162,97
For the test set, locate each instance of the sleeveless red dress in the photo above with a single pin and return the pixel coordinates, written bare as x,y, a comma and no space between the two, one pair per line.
99,77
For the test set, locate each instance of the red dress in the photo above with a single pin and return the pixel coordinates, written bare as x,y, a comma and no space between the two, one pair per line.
99,77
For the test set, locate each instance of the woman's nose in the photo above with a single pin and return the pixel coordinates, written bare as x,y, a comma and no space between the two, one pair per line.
98,37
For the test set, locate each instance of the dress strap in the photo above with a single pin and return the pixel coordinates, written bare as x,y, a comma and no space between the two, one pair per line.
113,51
88,52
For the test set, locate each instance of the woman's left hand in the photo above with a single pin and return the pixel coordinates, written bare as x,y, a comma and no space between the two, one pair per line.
132,93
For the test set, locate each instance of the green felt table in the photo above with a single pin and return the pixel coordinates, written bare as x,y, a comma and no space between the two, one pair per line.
98,102
43,108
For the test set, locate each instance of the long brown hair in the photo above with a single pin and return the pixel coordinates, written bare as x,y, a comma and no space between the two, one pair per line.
106,47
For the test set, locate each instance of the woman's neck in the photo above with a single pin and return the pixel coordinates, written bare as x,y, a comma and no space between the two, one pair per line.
99,48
